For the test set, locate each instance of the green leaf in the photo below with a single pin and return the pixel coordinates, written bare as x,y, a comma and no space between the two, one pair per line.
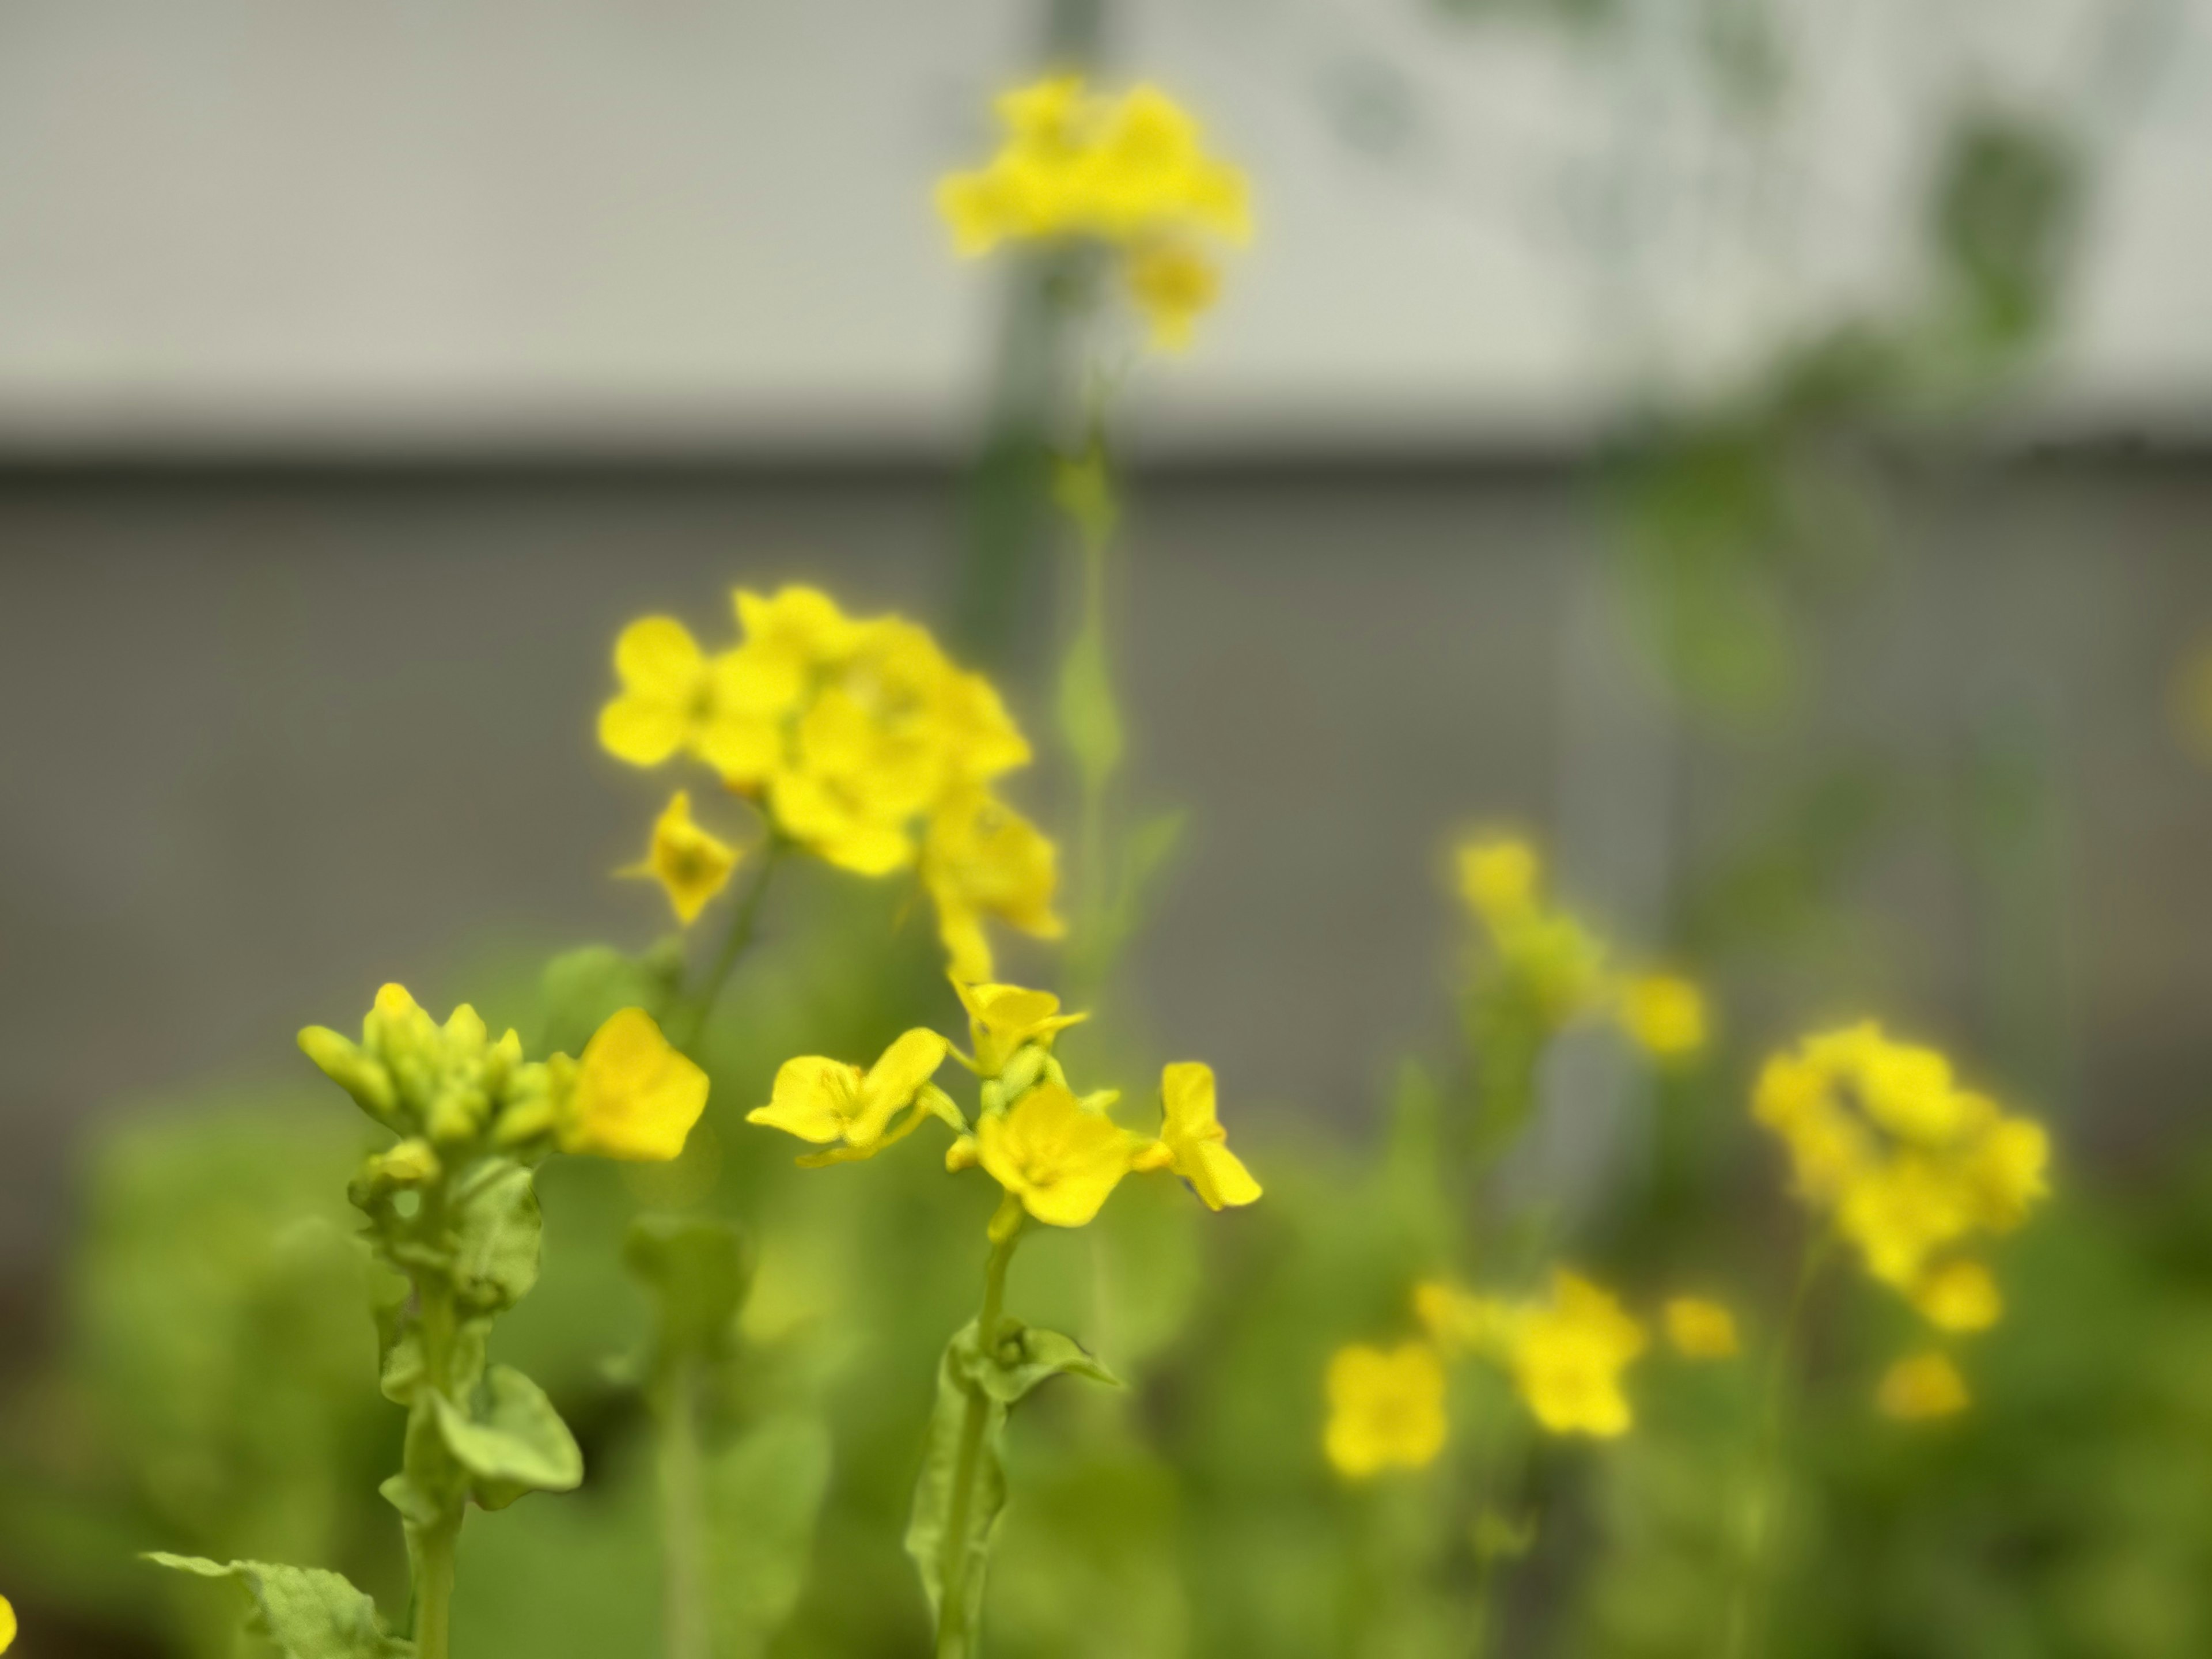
1089,718
496,1237
519,1445
304,1612
697,1270
962,1488
764,1495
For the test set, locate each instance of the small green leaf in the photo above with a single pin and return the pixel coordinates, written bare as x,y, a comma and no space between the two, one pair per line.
949,1533
519,1444
304,1612
496,1237
764,1494
697,1270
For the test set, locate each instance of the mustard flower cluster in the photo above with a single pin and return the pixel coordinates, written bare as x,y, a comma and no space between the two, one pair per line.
857,740
1566,1352
1131,172
1551,963
1056,1155
1913,1171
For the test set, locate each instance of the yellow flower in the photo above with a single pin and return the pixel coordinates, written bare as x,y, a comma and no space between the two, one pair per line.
1567,1356
1192,1141
1173,284
1059,1159
7,1625
984,859
789,637
1923,1386
1664,1014
1386,1407
675,697
1959,1296
635,1097
691,865
2005,1172
1002,1019
824,1100
1901,1214
1699,1330
1499,879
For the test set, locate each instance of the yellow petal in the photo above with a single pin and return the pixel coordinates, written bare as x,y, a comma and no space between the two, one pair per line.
813,1099
892,1081
635,1098
7,1625
1698,1330
1959,1295
644,730
1061,1161
1922,1386
657,657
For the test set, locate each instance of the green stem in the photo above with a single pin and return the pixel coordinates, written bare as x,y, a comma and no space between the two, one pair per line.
955,1640
1747,1604
689,1633
743,924
426,1464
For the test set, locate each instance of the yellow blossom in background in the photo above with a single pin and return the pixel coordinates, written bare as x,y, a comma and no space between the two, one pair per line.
1698,1330
1194,1144
1499,878
1131,172
675,698
1921,1387
690,864
1664,1014
1959,1295
7,1625
980,857
635,1097
1386,1408
1566,1358
1002,1019
1060,1158
1174,285
824,1101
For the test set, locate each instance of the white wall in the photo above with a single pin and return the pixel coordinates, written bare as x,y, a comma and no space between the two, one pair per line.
706,221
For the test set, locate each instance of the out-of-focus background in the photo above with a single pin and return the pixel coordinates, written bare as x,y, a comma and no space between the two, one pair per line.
1757,446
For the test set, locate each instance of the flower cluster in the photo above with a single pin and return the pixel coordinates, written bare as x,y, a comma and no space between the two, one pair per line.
857,740
451,1092
1913,1170
1550,964
1057,1155
1129,172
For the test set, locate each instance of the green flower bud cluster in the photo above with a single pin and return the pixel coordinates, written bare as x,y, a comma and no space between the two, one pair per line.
445,1090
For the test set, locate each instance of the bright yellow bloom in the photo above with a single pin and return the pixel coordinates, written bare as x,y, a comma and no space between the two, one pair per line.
1902,1212
823,1100
675,697
1195,1145
2005,1172
1923,1386
1060,1159
636,1096
790,636
1699,1330
1458,1323
1386,1408
1566,1358
1959,1296
1664,1014
984,859
1499,879
1174,285
1002,1019
1829,1148
7,1625
691,865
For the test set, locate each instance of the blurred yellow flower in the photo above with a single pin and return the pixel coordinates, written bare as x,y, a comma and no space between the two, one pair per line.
7,1625
690,864
1567,1356
1922,1386
1664,1014
980,857
674,697
1499,878
1386,1408
821,1100
635,1097
2005,1172
1060,1159
1899,1213
1173,284
1002,1019
1698,1330
1959,1296
1194,1143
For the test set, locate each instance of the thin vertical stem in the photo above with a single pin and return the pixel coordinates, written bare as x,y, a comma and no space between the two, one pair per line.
955,1640
432,1542
1748,1605
743,924
687,1628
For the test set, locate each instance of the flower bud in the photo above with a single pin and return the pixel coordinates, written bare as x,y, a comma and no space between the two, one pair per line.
457,1113
962,1154
1023,1068
361,1075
